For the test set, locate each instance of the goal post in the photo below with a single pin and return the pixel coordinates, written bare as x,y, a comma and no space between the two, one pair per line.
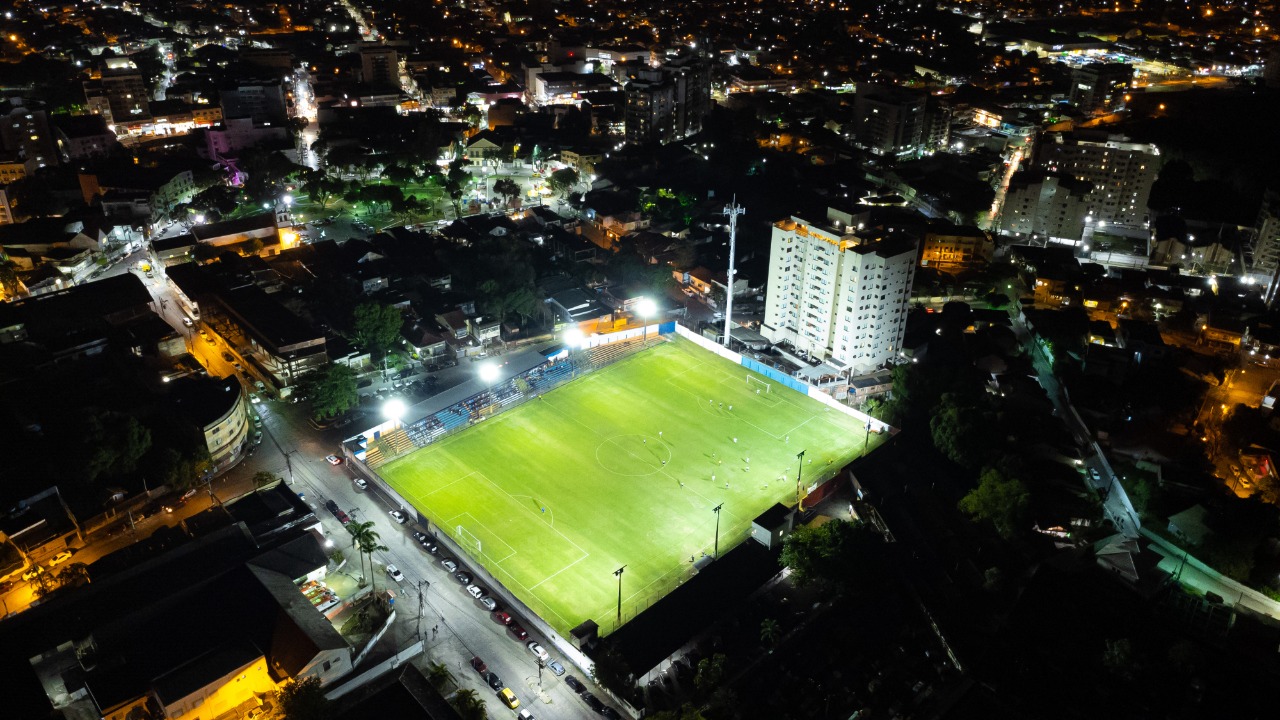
467,540
755,383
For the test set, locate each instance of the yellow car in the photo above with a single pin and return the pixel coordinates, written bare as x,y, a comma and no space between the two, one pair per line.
509,698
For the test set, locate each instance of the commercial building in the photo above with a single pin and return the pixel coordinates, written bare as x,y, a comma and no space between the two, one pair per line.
1100,87
889,120
835,294
118,92
210,628
27,137
380,65
669,103
262,101
1120,171
217,406
952,248
554,88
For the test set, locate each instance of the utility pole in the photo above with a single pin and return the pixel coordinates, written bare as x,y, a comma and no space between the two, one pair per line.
716,552
733,210
618,572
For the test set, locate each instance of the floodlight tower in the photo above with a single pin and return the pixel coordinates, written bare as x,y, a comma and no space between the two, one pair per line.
733,210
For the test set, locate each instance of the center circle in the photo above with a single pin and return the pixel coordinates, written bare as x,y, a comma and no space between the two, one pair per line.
633,455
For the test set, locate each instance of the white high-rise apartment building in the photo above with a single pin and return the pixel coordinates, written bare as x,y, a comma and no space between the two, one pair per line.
1121,172
832,294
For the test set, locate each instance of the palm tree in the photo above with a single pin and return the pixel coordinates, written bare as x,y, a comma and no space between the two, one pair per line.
369,545
469,705
359,532
770,632
439,675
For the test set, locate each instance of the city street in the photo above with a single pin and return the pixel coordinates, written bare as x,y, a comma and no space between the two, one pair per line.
1115,503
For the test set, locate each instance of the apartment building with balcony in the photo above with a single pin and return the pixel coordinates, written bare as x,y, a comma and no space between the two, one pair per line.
838,292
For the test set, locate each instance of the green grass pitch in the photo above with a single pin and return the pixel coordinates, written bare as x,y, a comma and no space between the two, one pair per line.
623,460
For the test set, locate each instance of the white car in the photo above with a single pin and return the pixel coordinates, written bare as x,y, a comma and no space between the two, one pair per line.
333,459
186,321
475,591
60,558
394,573
361,483
449,564
398,517
488,603
1093,473
537,651
253,398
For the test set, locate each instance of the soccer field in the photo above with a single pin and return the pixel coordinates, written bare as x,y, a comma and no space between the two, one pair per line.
623,466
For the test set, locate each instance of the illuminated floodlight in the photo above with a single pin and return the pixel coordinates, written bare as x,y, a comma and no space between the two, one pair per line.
647,308
394,409
488,372
574,337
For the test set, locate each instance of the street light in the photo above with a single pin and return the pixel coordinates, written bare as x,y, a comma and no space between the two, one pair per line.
618,572
715,553
646,308
393,410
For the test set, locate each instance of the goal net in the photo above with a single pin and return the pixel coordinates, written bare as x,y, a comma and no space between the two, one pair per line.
469,541
755,383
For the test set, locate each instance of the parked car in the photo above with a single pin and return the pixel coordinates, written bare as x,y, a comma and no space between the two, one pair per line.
253,398
488,603
60,558
475,591
493,680
419,536
555,667
520,633
478,665
430,546
575,684
399,517
462,576
449,564
524,715
394,573
33,573
228,356
333,459
609,713
537,650
502,616
1093,473
186,321
593,702
361,483
509,698
237,366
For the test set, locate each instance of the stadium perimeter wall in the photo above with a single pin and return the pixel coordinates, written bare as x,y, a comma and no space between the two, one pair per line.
781,378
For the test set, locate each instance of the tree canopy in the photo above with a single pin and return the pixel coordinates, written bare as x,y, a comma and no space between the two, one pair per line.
334,391
304,700
837,553
377,326
563,180
1000,499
